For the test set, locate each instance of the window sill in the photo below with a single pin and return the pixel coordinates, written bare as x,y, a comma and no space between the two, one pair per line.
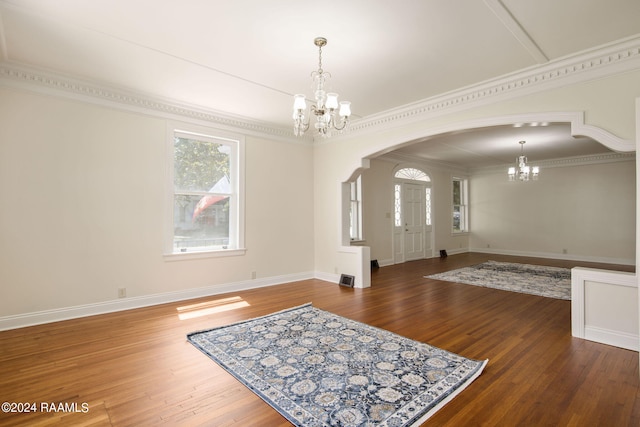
184,256
459,233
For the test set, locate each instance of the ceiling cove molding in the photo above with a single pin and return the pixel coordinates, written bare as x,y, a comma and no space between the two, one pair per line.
35,80
619,57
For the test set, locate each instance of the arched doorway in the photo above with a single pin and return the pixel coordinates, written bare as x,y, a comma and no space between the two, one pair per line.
385,150
412,220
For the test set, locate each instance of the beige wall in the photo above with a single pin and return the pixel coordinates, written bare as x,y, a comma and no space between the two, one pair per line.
81,214
588,210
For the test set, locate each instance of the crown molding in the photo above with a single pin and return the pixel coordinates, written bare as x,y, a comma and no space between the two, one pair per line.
621,56
41,81
615,58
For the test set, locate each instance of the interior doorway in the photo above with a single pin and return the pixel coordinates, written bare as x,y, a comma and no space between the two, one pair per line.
412,231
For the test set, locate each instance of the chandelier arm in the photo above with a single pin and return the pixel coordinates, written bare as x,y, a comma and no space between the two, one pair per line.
299,124
344,121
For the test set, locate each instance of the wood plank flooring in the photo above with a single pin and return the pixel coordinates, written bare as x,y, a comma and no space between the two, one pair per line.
135,368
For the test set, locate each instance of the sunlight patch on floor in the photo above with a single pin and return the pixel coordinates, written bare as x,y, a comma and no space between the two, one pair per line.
210,307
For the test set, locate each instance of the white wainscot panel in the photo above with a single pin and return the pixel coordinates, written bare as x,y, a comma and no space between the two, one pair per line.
604,307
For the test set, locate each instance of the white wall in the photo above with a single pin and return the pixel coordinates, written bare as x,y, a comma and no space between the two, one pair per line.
587,210
81,213
377,209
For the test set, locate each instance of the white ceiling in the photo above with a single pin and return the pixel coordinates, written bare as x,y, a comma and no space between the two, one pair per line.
248,57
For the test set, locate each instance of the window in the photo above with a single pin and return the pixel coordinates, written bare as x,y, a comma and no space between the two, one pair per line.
427,205
412,174
355,214
460,219
206,194
397,205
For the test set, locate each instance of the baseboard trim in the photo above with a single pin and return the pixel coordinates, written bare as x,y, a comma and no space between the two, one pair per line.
85,310
390,261
385,262
568,257
611,337
327,277
458,251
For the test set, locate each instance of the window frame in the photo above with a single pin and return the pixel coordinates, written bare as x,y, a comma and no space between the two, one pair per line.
462,207
355,210
428,214
237,178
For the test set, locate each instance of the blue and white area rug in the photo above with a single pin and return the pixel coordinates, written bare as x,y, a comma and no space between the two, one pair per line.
552,282
319,369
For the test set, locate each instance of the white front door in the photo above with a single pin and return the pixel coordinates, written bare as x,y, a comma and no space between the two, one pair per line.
412,231
413,207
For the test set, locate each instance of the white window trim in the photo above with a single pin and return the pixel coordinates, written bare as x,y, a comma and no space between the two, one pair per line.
356,187
464,181
239,189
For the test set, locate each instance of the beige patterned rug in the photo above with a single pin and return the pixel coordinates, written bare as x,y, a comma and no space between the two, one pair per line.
552,282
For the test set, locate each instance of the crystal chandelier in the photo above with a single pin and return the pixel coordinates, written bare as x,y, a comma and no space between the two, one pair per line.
328,116
523,172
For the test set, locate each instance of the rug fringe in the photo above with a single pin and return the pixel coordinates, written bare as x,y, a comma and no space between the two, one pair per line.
450,397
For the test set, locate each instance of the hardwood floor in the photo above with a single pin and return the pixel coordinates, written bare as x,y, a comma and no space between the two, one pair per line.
135,368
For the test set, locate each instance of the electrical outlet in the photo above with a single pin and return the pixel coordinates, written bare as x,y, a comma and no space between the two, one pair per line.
565,251
122,292
253,274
